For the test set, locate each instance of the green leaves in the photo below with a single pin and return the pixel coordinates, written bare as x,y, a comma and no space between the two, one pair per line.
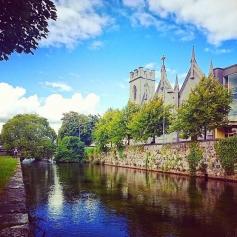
227,151
31,134
206,108
22,24
70,149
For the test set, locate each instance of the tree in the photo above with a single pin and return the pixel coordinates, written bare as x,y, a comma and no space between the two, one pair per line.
206,108
22,24
127,113
149,120
70,149
31,135
78,125
109,130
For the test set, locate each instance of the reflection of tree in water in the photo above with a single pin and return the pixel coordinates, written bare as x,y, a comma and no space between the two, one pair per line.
154,204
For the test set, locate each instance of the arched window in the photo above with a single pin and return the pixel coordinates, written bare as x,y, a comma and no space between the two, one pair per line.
134,92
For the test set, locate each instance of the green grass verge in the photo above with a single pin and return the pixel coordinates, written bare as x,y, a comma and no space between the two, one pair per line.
7,169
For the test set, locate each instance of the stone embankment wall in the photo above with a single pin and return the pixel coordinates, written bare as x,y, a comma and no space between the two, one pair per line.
171,158
13,212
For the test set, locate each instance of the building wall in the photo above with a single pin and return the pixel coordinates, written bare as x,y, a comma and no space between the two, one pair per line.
144,80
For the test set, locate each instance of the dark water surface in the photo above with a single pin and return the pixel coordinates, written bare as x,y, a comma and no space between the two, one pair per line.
103,201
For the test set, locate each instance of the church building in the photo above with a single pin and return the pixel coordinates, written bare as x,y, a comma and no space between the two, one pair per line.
142,89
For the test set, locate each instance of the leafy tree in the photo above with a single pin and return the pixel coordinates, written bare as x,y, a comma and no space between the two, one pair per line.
22,24
127,113
206,108
70,149
31,135
109,130
79,125
148,121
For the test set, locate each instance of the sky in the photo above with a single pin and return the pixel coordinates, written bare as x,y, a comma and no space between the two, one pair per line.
84,63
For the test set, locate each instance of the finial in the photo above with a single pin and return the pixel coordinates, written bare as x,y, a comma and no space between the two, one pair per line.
211,69
163,60
193,55
176,83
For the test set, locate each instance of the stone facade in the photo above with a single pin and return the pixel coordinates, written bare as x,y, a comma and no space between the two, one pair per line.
171,158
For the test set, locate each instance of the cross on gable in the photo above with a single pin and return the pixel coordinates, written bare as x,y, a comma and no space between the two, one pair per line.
163,59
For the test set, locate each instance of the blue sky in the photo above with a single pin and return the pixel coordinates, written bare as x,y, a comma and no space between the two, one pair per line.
85,62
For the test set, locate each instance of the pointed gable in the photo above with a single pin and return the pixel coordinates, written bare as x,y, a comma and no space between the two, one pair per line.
193,77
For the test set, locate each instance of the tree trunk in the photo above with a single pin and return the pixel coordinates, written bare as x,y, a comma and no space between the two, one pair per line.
194,138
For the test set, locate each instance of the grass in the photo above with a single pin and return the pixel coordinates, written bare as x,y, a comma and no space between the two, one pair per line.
7,169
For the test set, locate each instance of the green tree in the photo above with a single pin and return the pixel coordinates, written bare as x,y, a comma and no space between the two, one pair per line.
109,130
70,149
127,113
22,24
78,125
31,135
206,108
148,121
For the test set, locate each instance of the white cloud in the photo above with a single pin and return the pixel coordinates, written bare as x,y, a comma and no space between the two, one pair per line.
217,50
134,3
77,20
151,65
97,44
58,85
13,100
215,18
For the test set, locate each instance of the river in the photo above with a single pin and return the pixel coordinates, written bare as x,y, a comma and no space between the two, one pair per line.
72,200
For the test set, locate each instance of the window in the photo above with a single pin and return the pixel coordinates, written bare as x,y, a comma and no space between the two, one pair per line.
134,92
232,85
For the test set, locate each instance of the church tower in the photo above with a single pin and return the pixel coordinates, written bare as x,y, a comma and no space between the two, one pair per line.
142,85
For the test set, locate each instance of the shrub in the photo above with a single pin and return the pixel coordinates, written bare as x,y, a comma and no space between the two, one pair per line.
226,149
70,149
194,157
90,152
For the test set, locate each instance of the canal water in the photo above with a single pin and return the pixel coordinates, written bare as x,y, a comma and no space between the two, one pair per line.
70,200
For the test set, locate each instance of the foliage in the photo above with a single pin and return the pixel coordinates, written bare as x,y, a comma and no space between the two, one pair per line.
69,149
89,152
148,121
226,149
22,24
194,157
31,135
110,130
206,108
79,125
127,113
7,168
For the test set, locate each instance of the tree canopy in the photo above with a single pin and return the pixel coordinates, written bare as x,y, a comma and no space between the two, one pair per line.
69,149
23,23
148,121
78,125
206,108
31,135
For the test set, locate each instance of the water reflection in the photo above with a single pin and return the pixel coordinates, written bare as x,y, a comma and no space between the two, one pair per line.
74,200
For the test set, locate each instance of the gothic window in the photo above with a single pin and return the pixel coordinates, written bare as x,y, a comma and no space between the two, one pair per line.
134,92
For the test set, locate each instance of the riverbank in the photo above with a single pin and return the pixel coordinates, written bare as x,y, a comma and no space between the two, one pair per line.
14,219
169,158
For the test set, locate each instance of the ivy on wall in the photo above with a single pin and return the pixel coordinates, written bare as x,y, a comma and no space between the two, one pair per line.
194,157
226,150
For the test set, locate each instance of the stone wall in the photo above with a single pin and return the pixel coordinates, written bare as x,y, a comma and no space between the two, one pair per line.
170,158
13,212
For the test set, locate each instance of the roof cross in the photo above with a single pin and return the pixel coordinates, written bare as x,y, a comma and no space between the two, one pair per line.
163,59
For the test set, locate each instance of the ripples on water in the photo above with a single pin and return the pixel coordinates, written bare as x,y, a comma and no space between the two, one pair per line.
105,201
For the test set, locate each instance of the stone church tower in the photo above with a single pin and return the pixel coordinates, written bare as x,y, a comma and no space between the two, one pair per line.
142,85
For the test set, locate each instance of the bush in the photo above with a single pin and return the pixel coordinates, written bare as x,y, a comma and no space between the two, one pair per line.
70,149
226,149
194,157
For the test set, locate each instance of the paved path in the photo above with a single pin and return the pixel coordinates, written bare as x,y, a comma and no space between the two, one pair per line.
14,220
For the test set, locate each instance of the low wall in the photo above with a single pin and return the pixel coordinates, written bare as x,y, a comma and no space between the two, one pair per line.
170,158
13,212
